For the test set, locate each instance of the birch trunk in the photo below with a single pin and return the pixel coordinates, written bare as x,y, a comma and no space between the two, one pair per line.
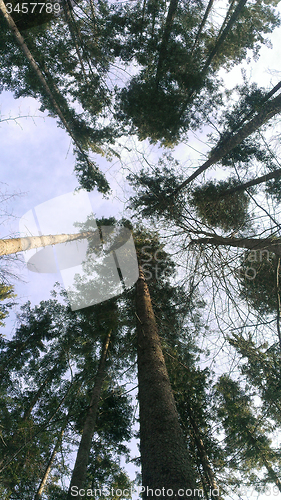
15,245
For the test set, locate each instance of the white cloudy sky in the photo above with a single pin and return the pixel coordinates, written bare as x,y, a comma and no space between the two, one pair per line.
37,163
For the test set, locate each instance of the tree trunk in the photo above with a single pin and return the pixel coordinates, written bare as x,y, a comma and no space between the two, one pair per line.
203,22
79,473
67,12
272,245
267,112
14,245
166,35
41,487
221,38
164,458
255,444
233,18
204,460
20,40
254,182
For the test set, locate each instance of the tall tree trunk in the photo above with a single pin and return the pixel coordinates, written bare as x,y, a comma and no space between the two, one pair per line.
255,444
164,458
267,112
204,460
79,473
41,487
233,18
272,245
203,22
14,245
221,38
166,35
67,12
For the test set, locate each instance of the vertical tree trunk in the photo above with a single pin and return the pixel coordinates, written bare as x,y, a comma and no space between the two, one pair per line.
201,27
166,35
79,473
164,458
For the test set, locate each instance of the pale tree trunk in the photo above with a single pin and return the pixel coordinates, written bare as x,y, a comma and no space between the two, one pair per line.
268,111
79,473
41,487
15,245
164,457
272,245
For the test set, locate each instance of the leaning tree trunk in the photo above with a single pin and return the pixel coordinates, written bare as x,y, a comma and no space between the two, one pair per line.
270,244
39,493
253,182
15,245
164,458
270,109
20,40
204,459
79,473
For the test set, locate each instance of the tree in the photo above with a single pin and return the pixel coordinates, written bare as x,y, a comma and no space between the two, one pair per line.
14,245
80,469
68,341
246,432
163,455
175,77
44,84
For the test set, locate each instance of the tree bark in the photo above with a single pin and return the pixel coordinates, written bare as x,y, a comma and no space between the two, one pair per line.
272,245
164,457
14,245
41,487
79,473
254,182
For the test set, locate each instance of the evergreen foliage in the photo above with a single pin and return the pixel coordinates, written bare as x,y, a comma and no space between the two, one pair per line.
230,213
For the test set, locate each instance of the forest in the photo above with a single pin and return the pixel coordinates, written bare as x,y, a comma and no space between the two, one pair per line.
158,348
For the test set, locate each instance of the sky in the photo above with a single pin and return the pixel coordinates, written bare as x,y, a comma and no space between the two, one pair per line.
36,165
